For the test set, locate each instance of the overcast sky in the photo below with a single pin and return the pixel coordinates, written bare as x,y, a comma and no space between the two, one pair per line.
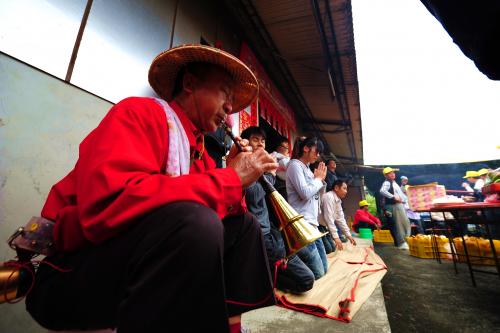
422,100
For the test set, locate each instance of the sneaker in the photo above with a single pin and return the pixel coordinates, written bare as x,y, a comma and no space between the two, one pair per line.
404,246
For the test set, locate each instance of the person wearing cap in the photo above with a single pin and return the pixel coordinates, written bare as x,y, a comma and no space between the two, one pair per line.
149,233
394,200
404,183
478,186
364,219
332,213
295,276
474,177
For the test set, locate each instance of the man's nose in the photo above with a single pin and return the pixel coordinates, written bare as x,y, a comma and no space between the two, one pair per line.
228,107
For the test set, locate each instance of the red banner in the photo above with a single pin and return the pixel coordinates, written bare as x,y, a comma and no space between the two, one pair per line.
272,105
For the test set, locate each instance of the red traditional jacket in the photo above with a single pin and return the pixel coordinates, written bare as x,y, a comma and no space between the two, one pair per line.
120,176
362,216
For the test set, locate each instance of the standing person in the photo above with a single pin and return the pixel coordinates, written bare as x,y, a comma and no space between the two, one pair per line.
363,218
304,187
333,214
147,228
296,277
414,217
331,175
474,178
282,156
394,204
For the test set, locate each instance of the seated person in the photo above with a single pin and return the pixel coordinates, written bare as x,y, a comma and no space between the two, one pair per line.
332,213
363,218
150,233
282,156
297,277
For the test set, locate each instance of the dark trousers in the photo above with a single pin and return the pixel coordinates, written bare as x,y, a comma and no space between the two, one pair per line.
327,240
181,266
297,277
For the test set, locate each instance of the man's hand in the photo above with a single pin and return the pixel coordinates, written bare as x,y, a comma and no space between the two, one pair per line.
338,244
352,240
250,166
320,171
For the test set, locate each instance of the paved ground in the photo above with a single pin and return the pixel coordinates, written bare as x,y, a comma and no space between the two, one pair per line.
371,318
422,295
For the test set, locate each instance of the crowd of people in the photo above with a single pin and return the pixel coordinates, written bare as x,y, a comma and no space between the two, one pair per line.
148,228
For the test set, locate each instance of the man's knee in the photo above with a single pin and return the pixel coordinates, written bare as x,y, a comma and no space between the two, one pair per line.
191,222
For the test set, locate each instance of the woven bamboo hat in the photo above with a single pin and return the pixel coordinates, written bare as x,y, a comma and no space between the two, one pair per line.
165,67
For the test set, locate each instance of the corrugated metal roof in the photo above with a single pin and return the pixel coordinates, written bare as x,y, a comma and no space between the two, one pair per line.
299,42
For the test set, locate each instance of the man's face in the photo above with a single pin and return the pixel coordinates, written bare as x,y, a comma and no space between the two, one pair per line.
390,175
211,99
257,142
404,181
341,190
472,180
284,148
332,166
365,208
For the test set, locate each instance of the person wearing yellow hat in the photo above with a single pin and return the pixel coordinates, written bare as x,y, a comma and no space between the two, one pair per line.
477,179
364,219
393,204
146,226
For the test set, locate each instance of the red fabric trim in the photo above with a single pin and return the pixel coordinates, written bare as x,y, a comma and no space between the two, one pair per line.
318,310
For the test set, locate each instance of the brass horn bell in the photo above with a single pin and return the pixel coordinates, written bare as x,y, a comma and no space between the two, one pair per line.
297,232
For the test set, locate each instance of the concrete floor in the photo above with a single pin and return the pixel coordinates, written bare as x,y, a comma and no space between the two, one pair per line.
422,295
371,317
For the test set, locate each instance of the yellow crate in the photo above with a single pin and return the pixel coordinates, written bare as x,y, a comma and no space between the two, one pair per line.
486,251
477,247
472,249
382,236
421,246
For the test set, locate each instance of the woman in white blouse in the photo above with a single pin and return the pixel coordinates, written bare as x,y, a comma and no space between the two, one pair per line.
304,188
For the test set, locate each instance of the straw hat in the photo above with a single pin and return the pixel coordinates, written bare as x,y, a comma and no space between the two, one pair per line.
363,203
482,171
471,174
389,170
165,67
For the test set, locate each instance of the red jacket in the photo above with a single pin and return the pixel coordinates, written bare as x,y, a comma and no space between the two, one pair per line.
120,176
363,216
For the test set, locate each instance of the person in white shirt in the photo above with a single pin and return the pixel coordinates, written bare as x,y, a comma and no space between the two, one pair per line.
394,200
333,215
304,188
282,156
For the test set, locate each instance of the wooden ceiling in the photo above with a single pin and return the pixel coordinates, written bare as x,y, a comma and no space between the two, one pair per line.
308,49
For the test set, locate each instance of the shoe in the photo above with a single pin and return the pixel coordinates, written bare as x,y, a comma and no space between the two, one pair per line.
404,246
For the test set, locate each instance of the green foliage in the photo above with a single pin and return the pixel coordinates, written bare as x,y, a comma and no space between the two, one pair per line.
372,204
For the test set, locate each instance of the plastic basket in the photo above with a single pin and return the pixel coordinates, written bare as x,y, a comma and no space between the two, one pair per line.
421,246
477,247
365,233
472,249
382,236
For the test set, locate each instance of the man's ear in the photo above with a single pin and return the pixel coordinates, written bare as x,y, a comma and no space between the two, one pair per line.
188,83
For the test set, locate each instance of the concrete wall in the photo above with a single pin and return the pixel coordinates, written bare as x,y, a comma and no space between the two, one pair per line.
42,121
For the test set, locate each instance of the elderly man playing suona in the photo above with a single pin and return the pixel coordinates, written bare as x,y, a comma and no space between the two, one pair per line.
333,215
363,218
150,235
